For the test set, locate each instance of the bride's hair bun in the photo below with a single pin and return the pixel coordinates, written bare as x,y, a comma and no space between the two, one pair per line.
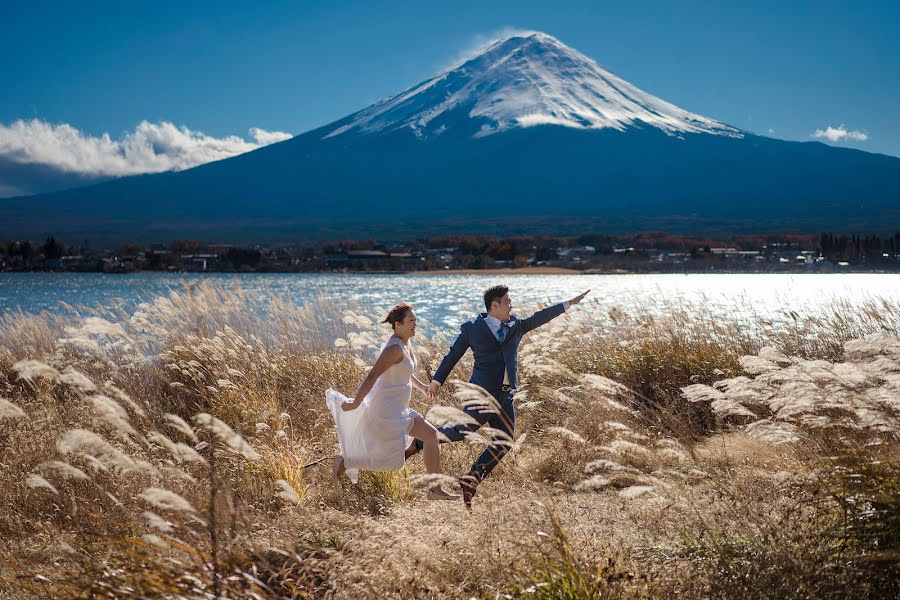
398,313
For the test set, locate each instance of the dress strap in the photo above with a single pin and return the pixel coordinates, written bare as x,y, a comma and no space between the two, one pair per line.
406,348
393,341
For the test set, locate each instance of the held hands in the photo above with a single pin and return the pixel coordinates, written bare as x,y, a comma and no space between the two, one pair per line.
578,298
432,390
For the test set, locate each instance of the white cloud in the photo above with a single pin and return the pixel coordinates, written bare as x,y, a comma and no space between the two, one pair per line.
840,134
264,138
150,148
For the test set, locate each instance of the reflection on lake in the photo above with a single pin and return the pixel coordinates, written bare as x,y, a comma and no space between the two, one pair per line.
440,299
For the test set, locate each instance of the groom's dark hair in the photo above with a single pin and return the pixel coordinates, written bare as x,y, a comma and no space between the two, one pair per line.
494,293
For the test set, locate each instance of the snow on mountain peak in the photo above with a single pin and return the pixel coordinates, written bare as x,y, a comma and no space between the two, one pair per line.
525,80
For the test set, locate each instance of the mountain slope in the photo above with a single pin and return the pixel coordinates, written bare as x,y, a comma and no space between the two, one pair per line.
525,136
527,81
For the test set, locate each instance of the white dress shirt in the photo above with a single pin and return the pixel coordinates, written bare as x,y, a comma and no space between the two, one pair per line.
494,323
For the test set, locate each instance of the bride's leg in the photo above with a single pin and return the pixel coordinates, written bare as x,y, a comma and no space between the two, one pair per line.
425,431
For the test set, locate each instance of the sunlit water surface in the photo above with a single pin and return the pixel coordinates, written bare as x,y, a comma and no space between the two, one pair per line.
442,299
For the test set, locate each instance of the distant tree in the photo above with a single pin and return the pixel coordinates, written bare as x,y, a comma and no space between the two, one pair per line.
499,250
600,242
467,245
21,252
52,249
826,244
131,249
184,246
545,253
872,247
243,257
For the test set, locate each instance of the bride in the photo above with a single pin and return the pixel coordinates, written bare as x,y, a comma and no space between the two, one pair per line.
377,425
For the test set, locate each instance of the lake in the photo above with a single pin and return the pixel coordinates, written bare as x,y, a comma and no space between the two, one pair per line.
440,299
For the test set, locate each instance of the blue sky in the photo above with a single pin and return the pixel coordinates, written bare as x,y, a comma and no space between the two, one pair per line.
784,69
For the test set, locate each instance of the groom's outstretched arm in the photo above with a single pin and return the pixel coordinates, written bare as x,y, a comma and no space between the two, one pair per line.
456,352
544,316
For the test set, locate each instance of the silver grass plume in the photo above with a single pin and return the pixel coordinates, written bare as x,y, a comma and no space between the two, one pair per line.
111,412
635,491
96,449
181,426
775,432
287,492
441,416
65,470
157,522
77,380
226,434
35,481
8,410
166,500
162,441
566,434
29,370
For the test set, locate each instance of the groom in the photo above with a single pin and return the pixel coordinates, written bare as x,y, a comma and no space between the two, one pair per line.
494,339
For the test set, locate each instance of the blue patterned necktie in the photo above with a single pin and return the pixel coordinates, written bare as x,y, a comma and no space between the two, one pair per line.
501,333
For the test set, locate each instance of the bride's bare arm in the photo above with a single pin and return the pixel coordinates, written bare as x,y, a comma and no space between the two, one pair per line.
419,386
389,357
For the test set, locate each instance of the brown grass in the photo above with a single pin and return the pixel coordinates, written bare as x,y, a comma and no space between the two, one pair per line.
623,486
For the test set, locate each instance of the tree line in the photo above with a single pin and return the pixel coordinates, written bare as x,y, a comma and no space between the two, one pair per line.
856,247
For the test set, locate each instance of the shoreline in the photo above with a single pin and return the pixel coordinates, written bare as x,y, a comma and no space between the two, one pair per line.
503,271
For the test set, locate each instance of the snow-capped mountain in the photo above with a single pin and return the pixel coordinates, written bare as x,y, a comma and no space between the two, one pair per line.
522,81
525,136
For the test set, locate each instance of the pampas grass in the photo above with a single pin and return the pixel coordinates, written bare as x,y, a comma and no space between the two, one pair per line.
173,451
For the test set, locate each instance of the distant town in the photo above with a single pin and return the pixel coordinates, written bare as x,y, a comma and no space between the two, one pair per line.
640,253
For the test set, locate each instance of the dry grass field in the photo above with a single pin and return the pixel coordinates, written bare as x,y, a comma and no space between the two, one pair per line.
160,452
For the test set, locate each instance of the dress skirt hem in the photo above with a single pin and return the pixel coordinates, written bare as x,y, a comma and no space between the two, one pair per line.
368,441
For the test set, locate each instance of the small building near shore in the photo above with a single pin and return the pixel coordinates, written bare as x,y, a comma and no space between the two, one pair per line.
372,260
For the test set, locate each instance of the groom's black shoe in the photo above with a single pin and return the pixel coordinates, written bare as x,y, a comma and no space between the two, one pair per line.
468,484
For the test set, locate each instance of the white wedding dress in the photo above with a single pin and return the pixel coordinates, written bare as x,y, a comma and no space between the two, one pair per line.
374,437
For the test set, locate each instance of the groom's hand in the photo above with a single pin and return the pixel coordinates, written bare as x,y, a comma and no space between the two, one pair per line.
578,298
433,389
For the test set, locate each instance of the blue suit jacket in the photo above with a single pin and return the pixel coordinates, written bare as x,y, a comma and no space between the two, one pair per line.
492,357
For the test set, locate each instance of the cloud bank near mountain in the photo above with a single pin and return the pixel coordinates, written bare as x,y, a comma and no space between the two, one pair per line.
840,134
150,148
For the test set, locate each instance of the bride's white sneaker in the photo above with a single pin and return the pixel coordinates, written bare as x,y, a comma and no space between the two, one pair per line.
438,493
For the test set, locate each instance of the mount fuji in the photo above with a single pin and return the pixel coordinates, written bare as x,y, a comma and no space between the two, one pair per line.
523,82
525,136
